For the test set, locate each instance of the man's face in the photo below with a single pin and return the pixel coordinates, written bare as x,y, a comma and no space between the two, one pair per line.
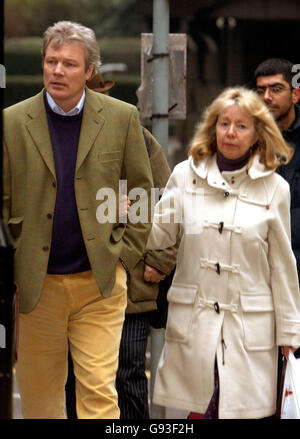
65,73
277,95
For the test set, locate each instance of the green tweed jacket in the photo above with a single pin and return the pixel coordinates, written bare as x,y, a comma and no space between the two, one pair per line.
111,147
141,295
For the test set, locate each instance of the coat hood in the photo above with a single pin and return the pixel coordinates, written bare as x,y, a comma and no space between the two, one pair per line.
208,168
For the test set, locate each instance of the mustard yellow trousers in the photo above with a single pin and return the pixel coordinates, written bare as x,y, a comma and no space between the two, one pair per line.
72,313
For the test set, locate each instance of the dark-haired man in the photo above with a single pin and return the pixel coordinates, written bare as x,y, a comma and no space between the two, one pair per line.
274,84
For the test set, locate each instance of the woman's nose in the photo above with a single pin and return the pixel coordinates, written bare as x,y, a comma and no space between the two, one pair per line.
231,130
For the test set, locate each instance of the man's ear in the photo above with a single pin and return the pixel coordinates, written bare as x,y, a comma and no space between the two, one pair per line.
89,72
296,95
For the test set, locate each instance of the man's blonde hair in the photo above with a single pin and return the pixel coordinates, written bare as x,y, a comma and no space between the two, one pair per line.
270,146
70,32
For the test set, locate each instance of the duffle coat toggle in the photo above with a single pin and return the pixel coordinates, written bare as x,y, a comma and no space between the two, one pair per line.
220,226
217,306
205,263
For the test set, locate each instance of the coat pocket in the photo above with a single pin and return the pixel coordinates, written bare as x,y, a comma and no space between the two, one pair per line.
258,321
181,300
15,227
118,232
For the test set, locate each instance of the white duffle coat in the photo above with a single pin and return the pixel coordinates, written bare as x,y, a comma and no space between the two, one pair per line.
235,294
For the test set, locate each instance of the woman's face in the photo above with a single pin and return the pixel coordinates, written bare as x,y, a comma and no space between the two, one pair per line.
235,132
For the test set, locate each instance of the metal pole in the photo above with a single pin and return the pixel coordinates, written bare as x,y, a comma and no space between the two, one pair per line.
160,130
160,94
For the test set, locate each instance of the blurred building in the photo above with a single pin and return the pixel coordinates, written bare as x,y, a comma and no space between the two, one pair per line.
227,40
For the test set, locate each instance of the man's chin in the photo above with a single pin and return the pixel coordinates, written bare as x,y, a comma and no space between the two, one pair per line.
274,113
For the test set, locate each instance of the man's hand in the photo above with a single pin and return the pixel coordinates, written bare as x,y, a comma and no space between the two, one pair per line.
153,275
124,205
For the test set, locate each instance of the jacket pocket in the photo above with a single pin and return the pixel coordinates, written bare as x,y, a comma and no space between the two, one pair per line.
109,156
181,300
15,228
258,321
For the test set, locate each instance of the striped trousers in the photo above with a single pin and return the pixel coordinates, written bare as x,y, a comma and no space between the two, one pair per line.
131,381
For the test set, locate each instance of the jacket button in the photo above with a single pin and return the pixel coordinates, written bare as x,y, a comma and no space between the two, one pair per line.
45,248
226,194
49,215
194,181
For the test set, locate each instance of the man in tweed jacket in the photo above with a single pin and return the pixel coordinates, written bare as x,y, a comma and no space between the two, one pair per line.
60,148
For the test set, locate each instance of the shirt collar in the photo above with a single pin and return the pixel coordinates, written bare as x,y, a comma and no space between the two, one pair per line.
57,109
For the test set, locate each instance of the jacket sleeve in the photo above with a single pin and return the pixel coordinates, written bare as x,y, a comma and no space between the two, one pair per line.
167,215
283,270
162,260
137,173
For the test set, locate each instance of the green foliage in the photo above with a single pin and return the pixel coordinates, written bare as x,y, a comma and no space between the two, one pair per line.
19,88
106,18
22,56
32,17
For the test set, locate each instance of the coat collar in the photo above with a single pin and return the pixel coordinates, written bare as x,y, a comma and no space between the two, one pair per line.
92,123
208,169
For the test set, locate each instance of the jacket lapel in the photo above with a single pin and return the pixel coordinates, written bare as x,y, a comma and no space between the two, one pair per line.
39,131
92,123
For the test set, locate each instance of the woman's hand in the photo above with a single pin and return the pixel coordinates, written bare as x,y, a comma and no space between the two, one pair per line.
285,351
153,275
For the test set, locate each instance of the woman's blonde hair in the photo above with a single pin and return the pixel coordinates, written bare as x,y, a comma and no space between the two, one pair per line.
70,32
270,145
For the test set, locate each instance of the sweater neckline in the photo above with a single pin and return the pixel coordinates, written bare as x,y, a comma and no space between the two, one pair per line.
57,116
225,164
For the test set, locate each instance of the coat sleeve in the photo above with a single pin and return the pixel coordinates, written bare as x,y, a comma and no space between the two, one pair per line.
283,270
167,215
163,260
137,173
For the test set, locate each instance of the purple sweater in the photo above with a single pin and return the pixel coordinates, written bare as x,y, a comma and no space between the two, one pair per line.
68,253
225,164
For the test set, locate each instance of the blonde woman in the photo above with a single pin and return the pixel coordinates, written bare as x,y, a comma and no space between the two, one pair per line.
234,297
